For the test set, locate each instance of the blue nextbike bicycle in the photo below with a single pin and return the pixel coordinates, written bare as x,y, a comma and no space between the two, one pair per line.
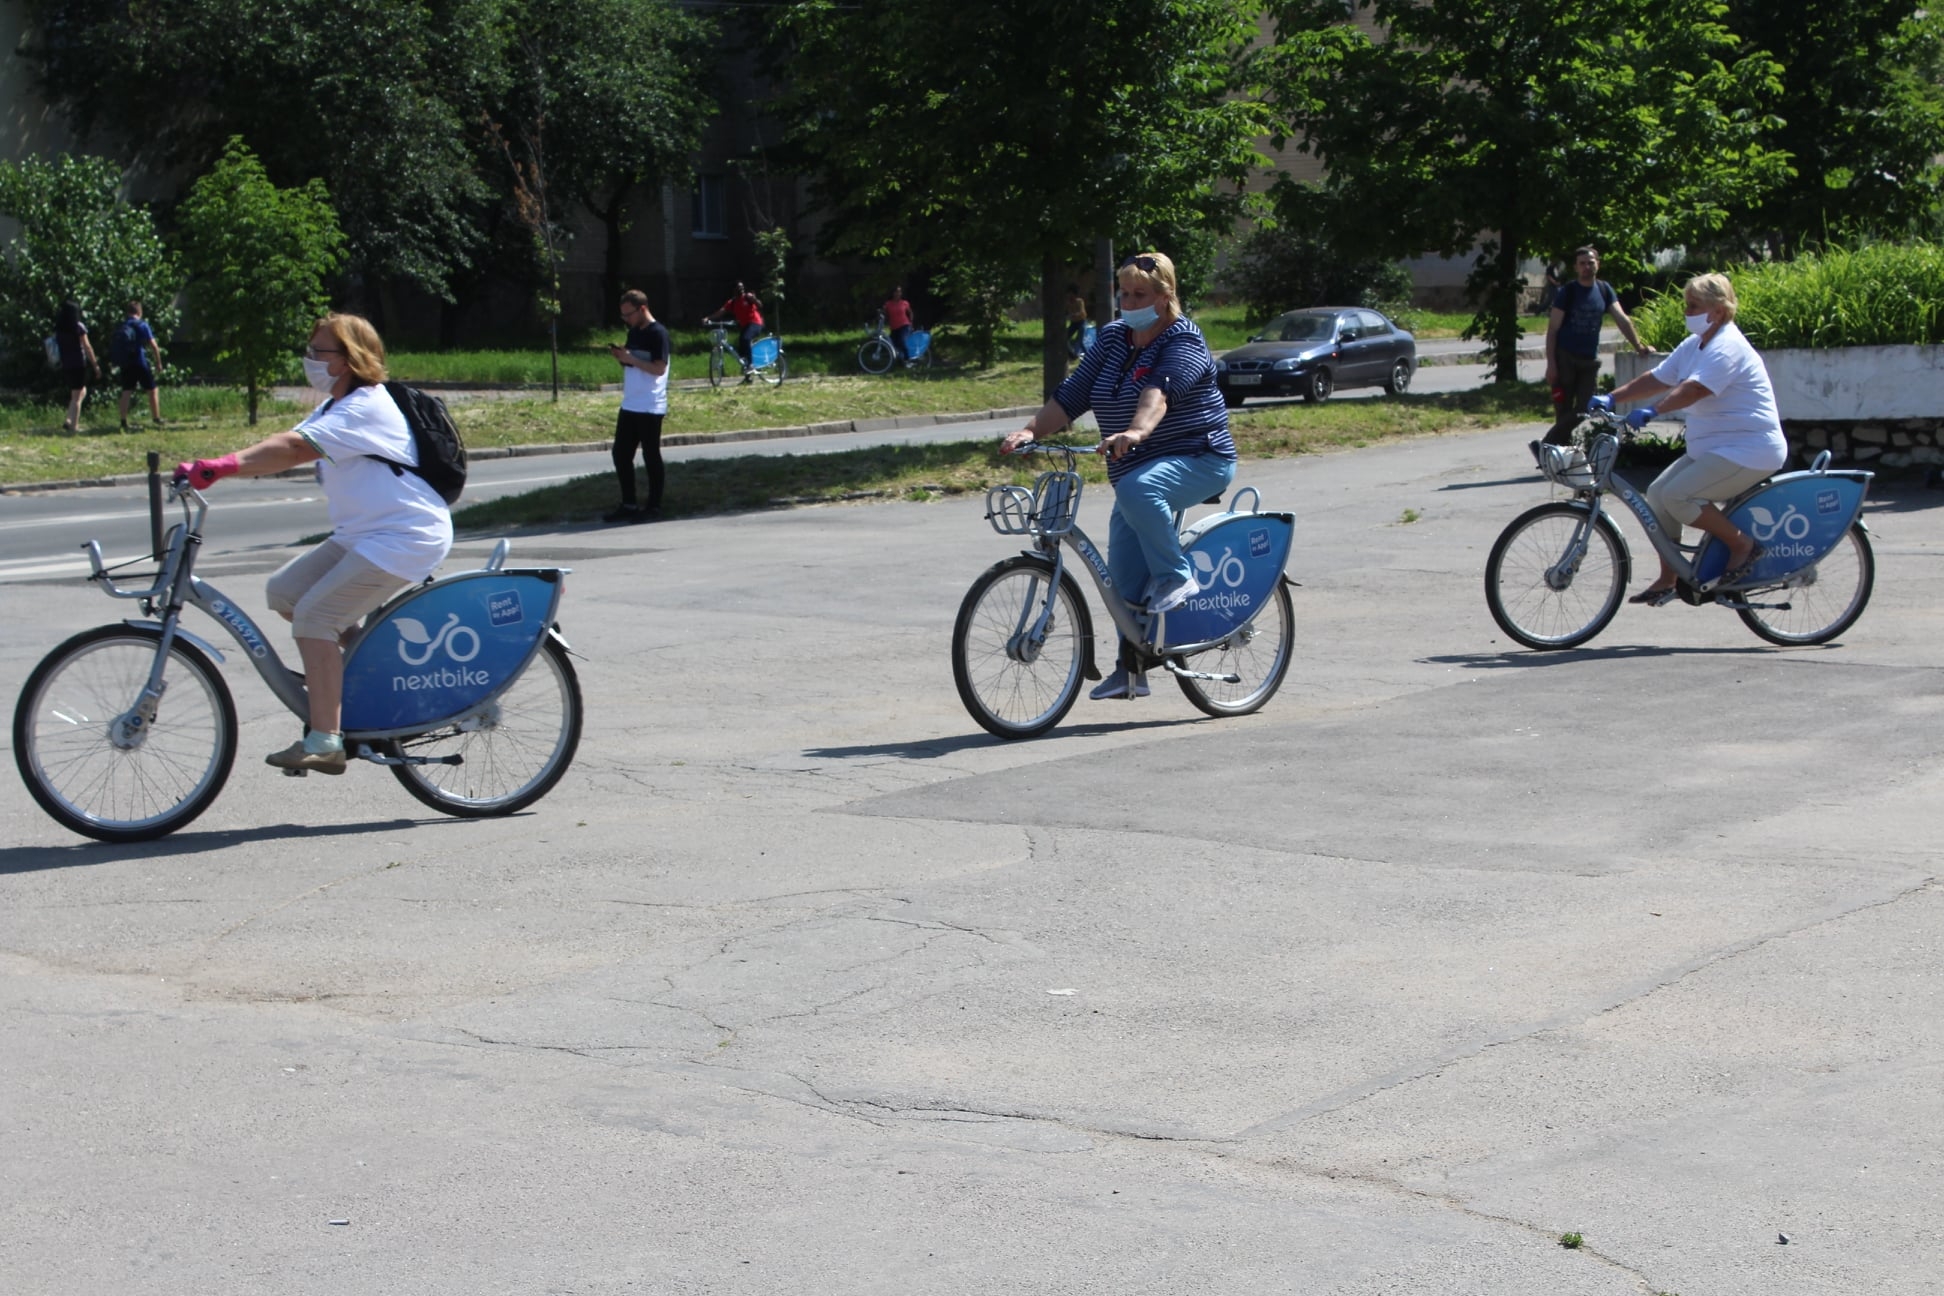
1558,573
461,687
1023,641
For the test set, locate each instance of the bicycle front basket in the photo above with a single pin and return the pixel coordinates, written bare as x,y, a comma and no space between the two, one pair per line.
1056,502
1567,465
1010,509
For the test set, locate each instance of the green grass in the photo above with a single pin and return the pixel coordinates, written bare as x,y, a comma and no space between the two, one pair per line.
924,472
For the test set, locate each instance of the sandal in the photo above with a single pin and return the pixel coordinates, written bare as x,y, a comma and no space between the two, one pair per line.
1739,572
1655,597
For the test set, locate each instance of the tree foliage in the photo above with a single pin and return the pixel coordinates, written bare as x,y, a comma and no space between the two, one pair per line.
258,258
77,239
1018,132
1860,113
1296,262
381,100
1635,124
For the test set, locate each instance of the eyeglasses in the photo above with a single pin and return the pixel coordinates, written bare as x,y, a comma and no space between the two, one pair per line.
1143,263
311,353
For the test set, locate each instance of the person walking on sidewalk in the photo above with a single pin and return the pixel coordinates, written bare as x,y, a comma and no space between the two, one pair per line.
1579,308
644,403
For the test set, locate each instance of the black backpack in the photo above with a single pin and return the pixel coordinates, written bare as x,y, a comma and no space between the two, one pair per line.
441,454
124,348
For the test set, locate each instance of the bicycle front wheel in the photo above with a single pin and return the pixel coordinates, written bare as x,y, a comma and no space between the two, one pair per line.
1013,686
1819,602
715,368
1541,599
875,356
776,373
512,755
95,766
1258,656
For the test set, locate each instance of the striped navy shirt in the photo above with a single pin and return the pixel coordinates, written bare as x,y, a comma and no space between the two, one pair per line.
1113,374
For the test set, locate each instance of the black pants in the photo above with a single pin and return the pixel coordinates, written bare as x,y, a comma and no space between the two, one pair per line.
634,430
1578,376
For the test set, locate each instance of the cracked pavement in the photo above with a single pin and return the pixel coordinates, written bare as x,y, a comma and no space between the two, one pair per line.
800,983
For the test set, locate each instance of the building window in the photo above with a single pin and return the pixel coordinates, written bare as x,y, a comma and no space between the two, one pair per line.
706,206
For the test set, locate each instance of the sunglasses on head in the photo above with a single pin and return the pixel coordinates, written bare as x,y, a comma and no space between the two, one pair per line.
1145,264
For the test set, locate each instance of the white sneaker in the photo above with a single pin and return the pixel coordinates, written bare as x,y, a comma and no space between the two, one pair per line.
1174,598
1116,686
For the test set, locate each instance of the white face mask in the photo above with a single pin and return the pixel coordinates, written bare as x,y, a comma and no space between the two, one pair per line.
318,374
1696,324
1145,317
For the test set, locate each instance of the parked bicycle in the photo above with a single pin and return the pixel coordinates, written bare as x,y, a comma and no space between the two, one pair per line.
1024,641
766,358
1558,574
879,352
461,687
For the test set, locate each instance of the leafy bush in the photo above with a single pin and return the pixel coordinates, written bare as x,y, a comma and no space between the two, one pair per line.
77,239
1287,267
1880,295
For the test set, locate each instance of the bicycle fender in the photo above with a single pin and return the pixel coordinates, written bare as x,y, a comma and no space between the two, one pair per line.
1797,518
184,635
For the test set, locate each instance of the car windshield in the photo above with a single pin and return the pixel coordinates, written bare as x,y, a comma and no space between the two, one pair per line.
1298,326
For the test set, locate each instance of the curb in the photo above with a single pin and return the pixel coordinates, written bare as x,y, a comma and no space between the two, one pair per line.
585,447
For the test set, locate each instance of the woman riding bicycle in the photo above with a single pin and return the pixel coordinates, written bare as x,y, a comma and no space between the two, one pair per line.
1150,382
1734,434
389,528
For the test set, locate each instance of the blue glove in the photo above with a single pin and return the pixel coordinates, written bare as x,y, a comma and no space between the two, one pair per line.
1602,403
1641,417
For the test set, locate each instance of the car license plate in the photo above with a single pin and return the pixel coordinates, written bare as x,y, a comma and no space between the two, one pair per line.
1245,380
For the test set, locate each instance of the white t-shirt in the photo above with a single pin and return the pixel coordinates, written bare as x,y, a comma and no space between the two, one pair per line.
392,520
1739,422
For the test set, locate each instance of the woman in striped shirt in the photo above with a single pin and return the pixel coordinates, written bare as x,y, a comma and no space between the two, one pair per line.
1150,382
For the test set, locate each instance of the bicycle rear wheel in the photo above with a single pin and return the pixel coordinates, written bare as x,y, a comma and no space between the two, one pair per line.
511,756
104,775
1537,600
1823,600
775,374
1014,688
1259,656
875,356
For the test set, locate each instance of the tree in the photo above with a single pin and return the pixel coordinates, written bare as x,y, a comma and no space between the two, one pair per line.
381,100
77,239
614,94
1018,132
1511,127
1860,114
258,257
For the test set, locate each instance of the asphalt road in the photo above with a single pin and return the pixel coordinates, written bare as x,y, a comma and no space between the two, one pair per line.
799,982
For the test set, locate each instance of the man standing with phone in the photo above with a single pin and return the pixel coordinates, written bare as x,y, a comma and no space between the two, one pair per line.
644,402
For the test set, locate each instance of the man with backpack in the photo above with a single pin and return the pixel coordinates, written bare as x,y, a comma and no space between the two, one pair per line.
129,349
1579,308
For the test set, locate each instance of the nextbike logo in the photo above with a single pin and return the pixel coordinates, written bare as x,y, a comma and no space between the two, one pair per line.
1227,570
413,633
1765,526
443,678
241,625
1223,602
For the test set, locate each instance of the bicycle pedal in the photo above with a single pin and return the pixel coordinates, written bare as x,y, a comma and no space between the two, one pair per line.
296,773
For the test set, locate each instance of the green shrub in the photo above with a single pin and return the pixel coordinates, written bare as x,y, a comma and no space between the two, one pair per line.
1881,295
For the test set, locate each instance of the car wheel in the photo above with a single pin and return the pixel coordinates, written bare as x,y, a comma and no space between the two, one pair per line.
1318,386
1400,377
1232,399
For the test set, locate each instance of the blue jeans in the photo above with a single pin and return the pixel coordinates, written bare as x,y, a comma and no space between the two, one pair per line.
1143,550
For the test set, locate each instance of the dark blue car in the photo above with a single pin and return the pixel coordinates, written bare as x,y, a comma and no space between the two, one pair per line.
1311,353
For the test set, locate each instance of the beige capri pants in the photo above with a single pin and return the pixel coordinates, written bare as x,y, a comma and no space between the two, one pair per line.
327,590
1692,481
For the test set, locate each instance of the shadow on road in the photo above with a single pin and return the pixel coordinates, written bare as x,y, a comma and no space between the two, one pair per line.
33,859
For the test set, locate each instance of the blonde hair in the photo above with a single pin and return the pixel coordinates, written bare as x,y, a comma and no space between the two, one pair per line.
1712,290
364,350
1161,278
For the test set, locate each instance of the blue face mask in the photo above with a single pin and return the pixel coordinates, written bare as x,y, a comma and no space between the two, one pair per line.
1146,317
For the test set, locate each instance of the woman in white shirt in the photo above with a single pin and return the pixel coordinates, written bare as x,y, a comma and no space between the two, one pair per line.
389,528
1734,435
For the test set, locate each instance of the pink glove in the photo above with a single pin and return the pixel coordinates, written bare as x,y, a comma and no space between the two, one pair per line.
204,473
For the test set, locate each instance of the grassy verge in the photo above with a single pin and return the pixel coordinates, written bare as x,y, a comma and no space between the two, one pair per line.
925,472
